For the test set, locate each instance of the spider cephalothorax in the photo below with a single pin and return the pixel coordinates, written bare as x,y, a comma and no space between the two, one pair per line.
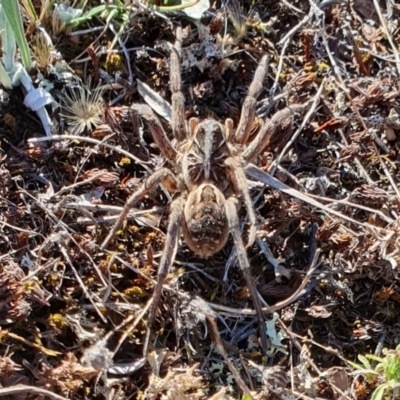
206,161
205,153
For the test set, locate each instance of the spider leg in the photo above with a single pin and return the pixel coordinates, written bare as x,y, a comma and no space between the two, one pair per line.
157,131
280,122
239,180
249,105
193,122
233,220
167,259
164,176
229,130
178,100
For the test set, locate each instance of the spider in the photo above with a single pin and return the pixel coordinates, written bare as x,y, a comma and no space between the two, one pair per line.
206,173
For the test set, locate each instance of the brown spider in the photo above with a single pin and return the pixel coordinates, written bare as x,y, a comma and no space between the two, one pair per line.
207,160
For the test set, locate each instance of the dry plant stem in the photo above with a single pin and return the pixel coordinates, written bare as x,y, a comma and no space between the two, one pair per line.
338,76
278,306
82,285
389,37
66,230
356,111
137,317
133,214
265,250
346,203
39,348
13,390
81,183
30,233
93,141
286,39
291,33
280,67
387,172
337,390
258,174
221,349
199,307
132,326
126,54
289,5
102,52
328,349
381,342
247,371
170,248
299,129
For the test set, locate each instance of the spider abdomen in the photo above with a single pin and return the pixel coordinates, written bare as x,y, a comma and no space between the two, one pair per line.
205,226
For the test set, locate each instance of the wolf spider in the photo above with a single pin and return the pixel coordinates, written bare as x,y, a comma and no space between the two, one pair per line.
206,171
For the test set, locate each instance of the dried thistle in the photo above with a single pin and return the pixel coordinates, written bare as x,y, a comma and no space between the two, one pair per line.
183,386
16,296
238,20
83,108
68,377
100,177
41,51
369,195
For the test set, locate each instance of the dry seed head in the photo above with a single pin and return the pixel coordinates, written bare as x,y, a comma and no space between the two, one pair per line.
41,51
238,20
82,109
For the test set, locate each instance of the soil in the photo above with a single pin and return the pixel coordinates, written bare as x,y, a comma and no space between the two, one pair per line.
73,316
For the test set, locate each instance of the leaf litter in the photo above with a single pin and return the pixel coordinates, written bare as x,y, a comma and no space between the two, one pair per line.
73,318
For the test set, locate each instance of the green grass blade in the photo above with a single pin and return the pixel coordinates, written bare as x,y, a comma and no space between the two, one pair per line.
30,9
92,13
11,9
379,392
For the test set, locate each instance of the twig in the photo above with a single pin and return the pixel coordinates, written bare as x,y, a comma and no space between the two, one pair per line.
299,129
270,309
38,347
357,112
347,203
30,233
256,173
131,327
314,366
82,285
389,37
109,51
93,141
201,308
280,67
340,81
307,18
286,39
30,389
